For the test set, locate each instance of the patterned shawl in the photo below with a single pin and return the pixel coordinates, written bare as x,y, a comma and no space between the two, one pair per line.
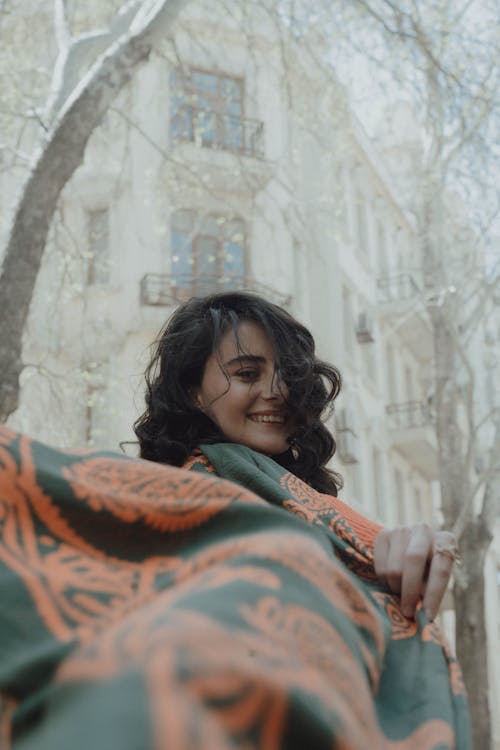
146,607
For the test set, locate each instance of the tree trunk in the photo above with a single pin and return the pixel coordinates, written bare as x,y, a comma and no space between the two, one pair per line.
61,154
456,491
471,637
455,486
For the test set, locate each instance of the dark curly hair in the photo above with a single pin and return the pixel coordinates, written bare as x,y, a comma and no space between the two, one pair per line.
172,426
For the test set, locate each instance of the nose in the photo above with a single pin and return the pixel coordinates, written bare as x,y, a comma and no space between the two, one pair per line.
274,388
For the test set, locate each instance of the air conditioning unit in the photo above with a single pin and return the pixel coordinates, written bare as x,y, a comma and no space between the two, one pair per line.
347,447
364,329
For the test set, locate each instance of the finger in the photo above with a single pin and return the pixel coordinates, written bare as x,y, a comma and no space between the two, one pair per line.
380,554
398,541
417,553
439,574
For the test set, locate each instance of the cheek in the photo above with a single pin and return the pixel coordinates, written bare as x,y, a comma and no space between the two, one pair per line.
231,410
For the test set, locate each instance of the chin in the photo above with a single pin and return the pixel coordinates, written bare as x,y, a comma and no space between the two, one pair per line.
271,450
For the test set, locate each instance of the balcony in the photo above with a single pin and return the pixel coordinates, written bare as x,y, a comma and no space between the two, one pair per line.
165,290
412,434
213,129
402,309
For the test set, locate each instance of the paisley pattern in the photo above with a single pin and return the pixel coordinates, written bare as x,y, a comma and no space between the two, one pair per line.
401,626
144,494
320,509
146,606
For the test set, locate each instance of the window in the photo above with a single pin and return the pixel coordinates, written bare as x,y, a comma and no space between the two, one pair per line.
357,480
368,348
361,219
382,249
207,108
208,252
401,248
98,246
369,360
378,484
353,484
400,496
392,391
410,391
96,408
418,505
347,319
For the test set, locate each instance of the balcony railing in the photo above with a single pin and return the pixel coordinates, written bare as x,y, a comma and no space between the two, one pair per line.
169,289
214,129
409,415
397,287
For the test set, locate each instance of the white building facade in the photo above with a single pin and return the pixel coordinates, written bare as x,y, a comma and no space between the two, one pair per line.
232,161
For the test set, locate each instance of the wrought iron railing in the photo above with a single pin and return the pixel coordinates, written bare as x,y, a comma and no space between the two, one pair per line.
170,289
214,129
397,287
409,414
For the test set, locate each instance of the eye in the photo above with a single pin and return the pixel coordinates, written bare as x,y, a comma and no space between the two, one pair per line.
247,374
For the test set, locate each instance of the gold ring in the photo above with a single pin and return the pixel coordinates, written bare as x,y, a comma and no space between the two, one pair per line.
448,550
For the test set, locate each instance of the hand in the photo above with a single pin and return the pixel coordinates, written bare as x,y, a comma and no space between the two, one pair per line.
415,561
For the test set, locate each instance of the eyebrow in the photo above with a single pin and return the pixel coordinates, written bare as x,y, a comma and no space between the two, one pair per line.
245,358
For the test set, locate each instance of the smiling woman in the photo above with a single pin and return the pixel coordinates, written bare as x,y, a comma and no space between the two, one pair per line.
235,389
227,603
233,367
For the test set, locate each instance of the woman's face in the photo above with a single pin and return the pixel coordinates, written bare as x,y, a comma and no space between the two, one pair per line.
245,399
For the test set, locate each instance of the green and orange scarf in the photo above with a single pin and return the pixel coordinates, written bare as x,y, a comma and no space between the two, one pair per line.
149,607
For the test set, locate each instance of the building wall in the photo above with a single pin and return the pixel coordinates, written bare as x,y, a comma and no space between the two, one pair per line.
323,230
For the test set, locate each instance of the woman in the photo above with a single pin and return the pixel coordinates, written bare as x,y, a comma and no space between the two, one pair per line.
235,368
152,607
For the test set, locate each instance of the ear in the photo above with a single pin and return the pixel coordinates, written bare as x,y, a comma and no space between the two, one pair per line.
194,395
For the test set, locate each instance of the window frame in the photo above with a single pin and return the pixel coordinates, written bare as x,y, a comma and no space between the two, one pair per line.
99,260
191,93
196,232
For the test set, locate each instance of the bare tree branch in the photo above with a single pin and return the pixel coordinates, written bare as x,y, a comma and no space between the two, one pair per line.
61,25
60,155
